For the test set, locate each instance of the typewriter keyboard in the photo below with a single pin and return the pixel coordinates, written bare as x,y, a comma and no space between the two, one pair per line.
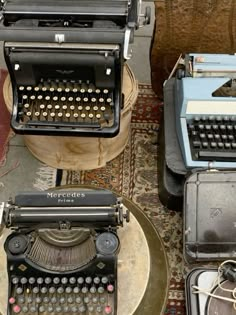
65,295
213,138
65,102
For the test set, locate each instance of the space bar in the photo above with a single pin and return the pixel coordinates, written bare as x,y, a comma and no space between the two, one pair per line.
217,156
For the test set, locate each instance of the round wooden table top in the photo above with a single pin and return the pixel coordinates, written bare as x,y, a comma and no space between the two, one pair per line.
142,268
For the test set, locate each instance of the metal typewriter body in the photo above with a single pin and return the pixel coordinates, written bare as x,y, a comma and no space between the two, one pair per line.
62,254
206,110
65,59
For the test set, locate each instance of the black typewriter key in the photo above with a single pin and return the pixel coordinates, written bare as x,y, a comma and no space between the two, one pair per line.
23,280
48,280
56,280
62,300
46,300
15,280
220,145
64,280
33,309
227,145
76,290
72,280
30,299
80,280
53,300
78,300
35,290
93,290
96,280
105,280
86,300
25,309
70,300
84,290
38,300
88,280
58,309
68,290
52,290
41,309
18,244
101,290
19,290
40,280
60,290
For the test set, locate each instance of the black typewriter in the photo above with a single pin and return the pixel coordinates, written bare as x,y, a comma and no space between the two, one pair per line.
65,59
62,253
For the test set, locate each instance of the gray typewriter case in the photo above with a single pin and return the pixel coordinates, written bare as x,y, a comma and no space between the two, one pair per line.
210,216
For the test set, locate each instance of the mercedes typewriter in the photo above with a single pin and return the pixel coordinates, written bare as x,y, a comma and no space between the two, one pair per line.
205,104
65,60
62,252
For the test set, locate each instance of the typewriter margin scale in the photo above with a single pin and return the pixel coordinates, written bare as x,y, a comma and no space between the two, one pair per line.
102,215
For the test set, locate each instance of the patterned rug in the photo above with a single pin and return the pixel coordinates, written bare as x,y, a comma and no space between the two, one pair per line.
134,175
5,130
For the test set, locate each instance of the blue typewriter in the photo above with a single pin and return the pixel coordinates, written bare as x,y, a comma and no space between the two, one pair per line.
205,104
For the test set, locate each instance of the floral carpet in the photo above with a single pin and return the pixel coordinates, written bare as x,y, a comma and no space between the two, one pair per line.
134,175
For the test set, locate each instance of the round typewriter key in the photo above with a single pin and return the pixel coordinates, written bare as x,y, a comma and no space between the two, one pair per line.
49,106
32,97
53,300
80,280
67,115
101,100
90,308
67,90
64,107
56,280
29,88
95,300
15,280
76,115
62,300
83,115
35,290
38,300
47,98
97,91
41,106
96,280
52,115
45,114
40,280
39,97
28,114
37,114
68,290
46,300
74,309
19,290
52,290
101,290
16,309
102,300
70,99
93,290
25,309
90,115
98,116
29,299
63,98
50,309
66,309
57,107
70,299
80,107
21,299
86,300
88,280
60,290
23,280
108,100
26,105
78,99
33,309
75,90
41,309
58,309
105,91
72,107
84,290
21,88
85,99
76,290
103,108
72,280
108,309
44,290
78,300
60,115
99,309
104,280
36,88
93,99
59,90
110,288
87,108
48,280
12,300
91,88
24,97
55,98
82,309
51,89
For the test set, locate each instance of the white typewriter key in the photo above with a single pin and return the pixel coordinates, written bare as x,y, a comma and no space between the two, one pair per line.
29,299
21,299
58,309
75,90
68,290
59,89
85,99
67,115
95,300
40,280
53,300
52,115
78,99
80,107
49,106
64,280
55,98
64,107
76,290
32,309
41,309
28,114
38,300
40,97
72,107
57,107
67,90
86,300
66,309
72,280
99,309
84,290
87,108
83,115
82,309
25,97
26,105
70,99
51,89
76,115
93,100
88,280
95,108
105,91
45,114
29,88
102,300
47,98
62,300
70,300
52,290
37,114
74,309
97,91
35,290
98,116
101,100
80,280
103,108
104,280
78,300
21,88
63,98
32,97
41,106
25,309
50,309
15,280
93,290
83,88
56,280
101,290
90,116
46,300
96,280
32,280
44,290
23,280
108,100
60,115
36,88
90,308
91,88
